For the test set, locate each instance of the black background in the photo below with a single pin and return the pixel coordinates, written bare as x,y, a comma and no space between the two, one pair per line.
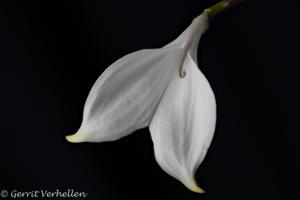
52,52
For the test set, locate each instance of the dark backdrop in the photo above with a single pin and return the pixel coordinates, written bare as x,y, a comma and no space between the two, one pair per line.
52,52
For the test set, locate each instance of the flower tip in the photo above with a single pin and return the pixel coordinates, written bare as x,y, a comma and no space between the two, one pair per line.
69,138
195,188
198,190
75,138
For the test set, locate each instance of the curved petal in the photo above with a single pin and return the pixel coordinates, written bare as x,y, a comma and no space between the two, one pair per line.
192,33
183,125
126,95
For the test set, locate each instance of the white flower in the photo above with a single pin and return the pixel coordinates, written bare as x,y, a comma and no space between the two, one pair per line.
163,89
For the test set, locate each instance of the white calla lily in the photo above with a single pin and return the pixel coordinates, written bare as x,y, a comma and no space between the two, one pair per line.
126,95
183,125
163,89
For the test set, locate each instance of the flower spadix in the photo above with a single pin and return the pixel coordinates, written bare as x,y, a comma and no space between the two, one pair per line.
161,88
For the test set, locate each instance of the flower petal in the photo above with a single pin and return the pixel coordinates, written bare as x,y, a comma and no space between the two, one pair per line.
126,95
183,125
192,33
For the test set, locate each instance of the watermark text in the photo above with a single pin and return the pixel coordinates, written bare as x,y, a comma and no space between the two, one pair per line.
68,193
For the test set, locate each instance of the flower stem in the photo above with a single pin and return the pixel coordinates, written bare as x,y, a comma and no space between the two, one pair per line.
211,12
219,7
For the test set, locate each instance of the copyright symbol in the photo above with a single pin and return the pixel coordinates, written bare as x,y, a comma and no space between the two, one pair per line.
4,193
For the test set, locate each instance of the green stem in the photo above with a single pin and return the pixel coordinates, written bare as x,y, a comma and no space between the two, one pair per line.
211,12
218,7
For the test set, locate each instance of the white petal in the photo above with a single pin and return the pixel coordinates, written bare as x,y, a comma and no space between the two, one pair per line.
183,125
192,33
126,95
